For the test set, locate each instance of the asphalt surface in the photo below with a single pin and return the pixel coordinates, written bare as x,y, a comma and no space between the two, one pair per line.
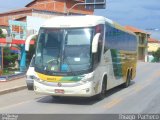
142,96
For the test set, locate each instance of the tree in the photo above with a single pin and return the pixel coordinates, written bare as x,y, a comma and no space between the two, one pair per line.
1,31
9,59
156,55
1,34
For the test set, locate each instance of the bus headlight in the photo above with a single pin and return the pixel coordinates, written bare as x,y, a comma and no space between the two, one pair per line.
32,77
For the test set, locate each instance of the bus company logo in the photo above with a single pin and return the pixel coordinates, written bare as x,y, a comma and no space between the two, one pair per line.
53,79
59,84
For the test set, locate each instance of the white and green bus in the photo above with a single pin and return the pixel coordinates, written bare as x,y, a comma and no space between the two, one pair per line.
83,56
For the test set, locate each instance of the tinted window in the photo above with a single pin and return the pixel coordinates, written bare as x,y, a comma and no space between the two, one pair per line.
117,39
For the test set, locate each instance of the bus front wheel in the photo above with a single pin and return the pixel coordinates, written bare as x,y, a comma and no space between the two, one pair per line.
102,94
56,97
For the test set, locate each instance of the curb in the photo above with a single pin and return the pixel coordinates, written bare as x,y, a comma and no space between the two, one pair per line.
13,89
11,77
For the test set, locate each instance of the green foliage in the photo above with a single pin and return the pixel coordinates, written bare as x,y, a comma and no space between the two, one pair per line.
1,34
7,71
7,51
1,31
156,55
8,58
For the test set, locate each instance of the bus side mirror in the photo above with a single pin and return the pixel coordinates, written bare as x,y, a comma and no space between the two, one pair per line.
27,42
95,43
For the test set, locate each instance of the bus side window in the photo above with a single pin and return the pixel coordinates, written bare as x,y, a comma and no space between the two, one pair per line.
108,37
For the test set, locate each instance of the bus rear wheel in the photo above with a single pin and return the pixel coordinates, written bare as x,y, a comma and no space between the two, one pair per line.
128,80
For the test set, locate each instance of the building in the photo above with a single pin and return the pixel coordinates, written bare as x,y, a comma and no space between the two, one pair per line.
44,9
153,45
20,23
142,42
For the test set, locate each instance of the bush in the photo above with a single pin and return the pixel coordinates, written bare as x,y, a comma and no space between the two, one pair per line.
156,55
1,34
1,31
9,60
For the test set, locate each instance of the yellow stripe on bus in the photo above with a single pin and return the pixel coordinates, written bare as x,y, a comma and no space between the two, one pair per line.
49,78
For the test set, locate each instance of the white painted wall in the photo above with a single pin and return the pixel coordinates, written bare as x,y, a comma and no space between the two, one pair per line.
33,24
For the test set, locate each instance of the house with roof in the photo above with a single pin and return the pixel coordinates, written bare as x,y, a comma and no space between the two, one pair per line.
43,9
142,42
153,45
35,13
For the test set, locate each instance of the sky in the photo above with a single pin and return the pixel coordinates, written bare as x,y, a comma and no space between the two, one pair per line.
7,5
143,14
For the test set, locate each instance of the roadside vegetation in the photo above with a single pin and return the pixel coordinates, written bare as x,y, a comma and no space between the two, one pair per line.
156,55
1,34
9,59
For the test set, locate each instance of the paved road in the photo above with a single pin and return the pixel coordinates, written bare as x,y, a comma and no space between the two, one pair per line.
143,96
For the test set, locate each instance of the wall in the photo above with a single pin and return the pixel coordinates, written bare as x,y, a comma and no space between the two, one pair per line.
33,24
142,46
43,14
4,18
152,47
60,6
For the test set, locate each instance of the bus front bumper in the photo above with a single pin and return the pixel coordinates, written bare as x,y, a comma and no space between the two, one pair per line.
87,89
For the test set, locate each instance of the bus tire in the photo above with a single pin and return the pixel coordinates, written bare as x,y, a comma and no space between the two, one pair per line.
30,86
56,97
102,94
128,80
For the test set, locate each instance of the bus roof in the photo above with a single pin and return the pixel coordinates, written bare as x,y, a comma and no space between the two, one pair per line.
80,21
76,21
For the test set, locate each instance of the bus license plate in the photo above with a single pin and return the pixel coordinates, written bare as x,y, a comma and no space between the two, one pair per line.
61,91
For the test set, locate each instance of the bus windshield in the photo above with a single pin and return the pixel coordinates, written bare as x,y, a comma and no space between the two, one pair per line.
64,50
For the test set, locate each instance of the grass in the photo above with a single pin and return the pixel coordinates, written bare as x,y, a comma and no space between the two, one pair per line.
9,71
